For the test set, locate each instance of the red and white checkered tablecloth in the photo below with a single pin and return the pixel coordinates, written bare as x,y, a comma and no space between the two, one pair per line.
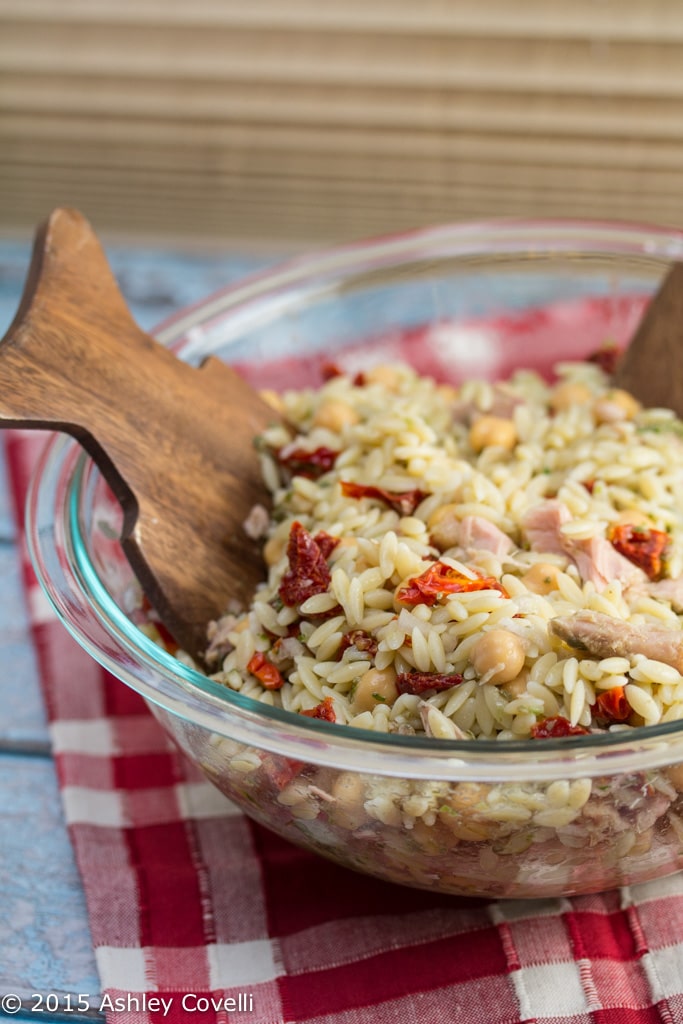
198,914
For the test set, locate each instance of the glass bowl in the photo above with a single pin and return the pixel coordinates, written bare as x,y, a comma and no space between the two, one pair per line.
581,814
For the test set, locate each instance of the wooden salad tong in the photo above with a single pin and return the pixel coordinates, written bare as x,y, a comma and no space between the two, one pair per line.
651,368
174,442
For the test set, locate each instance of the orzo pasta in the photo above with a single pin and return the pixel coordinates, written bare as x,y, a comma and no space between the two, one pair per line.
494,562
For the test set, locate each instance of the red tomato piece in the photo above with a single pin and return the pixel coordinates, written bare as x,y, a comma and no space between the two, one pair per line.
419,682
403,502
308,572
280,770
440,579
612,705
324,711
642,546
326,542
556,727
330,370
312,465
267,673
359,639
606,357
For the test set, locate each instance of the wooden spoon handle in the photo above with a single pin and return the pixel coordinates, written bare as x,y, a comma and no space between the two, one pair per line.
74,360
47,358
174,442
651,365
68,357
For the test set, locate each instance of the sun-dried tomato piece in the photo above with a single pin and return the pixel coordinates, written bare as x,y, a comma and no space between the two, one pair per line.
308,572
419,682
330,370
612,705
326,542
266,673
440,579
359,639
403,502
280,770
556,727
642,546
310,464
324,710
606,357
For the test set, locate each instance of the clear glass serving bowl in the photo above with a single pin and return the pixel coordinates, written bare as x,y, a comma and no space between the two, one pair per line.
582,814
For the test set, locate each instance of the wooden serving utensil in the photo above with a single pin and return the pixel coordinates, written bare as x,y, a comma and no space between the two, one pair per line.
174,442
651,368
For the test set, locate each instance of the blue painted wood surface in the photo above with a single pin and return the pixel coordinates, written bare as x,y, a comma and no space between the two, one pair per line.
44,937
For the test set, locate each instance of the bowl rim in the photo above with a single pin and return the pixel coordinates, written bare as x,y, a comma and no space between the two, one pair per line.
121,648
650,240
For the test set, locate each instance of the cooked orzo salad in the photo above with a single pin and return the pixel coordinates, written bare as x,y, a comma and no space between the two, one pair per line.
496,561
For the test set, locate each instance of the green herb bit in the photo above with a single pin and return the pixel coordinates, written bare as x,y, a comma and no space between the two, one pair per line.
662,427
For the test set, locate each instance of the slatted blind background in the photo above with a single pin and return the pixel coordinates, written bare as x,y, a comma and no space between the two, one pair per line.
332,119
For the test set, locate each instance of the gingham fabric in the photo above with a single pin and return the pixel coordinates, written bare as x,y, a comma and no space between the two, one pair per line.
197,914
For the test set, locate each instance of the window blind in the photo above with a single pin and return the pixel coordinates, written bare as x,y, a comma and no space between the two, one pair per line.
301,119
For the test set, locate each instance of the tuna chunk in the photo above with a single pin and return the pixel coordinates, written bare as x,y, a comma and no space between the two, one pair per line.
504,402
603,636
595,557
217,634
541,526
478,534
667,590
598,561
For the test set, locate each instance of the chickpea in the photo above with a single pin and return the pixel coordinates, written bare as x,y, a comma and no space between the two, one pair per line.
444,527
541,578
498,655
373,684
615,405
274,549
568,394
492,430
335,414
385,374
468,829
517,687
348,792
